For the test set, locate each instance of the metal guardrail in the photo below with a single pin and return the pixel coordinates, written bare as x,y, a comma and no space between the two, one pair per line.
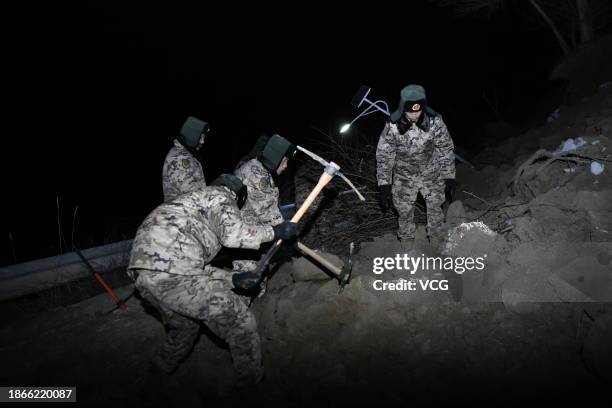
29,277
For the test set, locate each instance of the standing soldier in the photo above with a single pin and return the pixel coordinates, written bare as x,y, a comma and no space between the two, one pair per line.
259,175
182,170
170,264
415,154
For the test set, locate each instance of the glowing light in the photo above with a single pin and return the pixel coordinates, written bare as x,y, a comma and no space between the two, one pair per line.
344,128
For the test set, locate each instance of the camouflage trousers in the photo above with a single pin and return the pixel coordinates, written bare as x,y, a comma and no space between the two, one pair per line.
404,197
184,301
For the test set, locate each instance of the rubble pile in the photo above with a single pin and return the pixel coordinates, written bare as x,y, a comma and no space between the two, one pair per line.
553,208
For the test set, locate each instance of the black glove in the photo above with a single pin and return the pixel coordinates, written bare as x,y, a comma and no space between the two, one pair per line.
245,281
384,197
449,189
288,211
285,230
403,125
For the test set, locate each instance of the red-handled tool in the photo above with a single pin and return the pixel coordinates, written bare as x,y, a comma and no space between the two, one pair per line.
120,303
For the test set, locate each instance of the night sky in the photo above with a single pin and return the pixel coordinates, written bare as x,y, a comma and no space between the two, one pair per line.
99,89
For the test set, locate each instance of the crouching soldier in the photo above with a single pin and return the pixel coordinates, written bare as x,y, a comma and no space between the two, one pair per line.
170,264
182,171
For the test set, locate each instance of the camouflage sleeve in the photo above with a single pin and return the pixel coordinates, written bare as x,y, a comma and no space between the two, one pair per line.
444,146
244,265
385,156
263,197
235,233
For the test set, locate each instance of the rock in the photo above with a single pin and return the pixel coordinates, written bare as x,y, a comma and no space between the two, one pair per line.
597,168
592,200
603,258
523,292
565,292
526,229
527,254
588,276
471,239
555,255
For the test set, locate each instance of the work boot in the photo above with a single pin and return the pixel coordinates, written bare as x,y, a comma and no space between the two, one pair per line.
406,244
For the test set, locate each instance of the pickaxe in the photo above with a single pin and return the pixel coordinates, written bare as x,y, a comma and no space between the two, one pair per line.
326,163
343,275
330,171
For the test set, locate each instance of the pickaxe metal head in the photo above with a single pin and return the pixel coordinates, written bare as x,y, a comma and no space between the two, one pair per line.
342,275
326,164
345,276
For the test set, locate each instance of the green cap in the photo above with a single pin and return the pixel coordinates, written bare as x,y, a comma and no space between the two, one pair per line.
259,145
235,185
192,130
411,93
228,180
276,148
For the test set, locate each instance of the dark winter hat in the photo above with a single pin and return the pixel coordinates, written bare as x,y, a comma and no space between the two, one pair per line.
192,130
233,183
412,99
259,145
255,151
276,148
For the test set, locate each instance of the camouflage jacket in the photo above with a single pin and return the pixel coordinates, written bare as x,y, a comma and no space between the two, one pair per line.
262,202
184,235
416,153
182,172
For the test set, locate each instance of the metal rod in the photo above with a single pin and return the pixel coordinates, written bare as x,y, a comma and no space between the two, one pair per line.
375,104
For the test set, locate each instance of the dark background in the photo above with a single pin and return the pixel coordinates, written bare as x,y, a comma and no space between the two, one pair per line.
96,92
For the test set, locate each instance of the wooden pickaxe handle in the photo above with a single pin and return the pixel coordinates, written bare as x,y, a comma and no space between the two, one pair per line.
324,180
320,259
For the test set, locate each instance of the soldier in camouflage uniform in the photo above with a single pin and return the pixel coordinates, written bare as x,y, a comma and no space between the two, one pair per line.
259,174
170,264
415,154
182,171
